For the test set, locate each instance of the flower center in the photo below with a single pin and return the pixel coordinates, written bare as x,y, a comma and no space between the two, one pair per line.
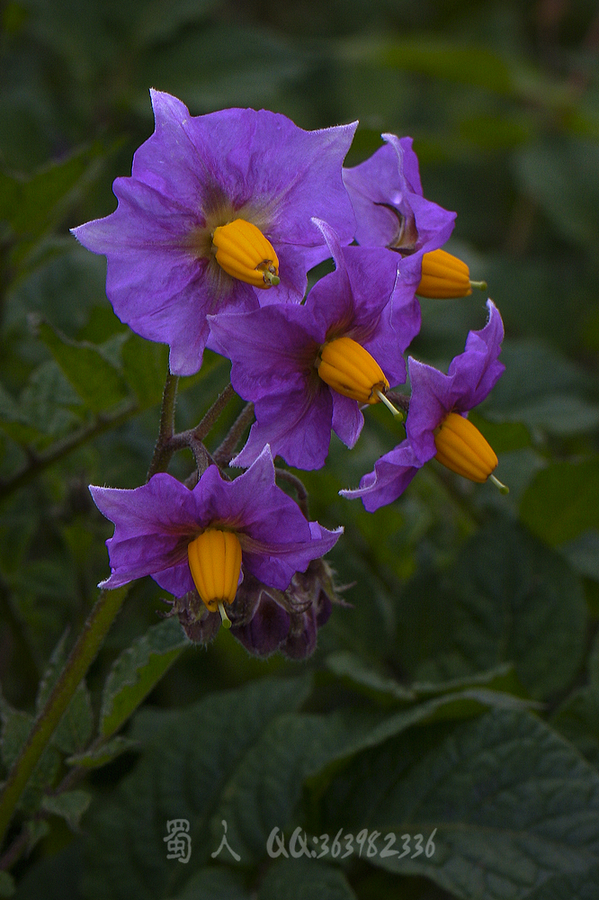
444,275
350,370
244,253
462,448
215,563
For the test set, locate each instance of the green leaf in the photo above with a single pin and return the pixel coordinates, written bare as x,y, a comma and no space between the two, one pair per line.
299,879
566,887
163,18
145,364
16,727
7,884
508,805
507,598
577,718
214,883
562,502
93,759
34,205
137,670
542,389
70,805
95,378
438,58
191,755
356,673
559,174
265,790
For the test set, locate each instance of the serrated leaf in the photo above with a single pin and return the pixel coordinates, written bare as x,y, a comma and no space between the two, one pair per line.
137,670
512,804
299,879
93,759
70,805
188,763
96,379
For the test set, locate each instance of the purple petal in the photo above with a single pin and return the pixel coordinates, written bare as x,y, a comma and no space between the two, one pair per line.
296,424
347,419
267,629
392,474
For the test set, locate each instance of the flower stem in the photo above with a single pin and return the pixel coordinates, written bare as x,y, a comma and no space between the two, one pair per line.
80,659
162,450
224,453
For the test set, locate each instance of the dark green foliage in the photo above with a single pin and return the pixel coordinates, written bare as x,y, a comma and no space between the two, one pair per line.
456,695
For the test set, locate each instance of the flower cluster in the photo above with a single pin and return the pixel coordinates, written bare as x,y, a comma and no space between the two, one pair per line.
215,232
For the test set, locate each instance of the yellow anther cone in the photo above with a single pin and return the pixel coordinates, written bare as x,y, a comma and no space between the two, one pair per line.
444,276
244,253
350,370
462,448
215,563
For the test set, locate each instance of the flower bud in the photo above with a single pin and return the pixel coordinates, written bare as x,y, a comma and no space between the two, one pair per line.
462,448
244,253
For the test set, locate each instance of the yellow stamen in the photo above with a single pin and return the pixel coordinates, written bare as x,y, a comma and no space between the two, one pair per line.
215,563
462,448
244,253
350,370
444,275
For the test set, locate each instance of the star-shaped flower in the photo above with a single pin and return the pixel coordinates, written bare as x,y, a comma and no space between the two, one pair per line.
390,209
308,369
160,525
438,399
217,215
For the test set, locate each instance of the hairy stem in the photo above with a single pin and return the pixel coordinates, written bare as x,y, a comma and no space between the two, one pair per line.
80,659
162,450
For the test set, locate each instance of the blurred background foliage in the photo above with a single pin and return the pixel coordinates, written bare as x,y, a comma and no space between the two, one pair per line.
502,100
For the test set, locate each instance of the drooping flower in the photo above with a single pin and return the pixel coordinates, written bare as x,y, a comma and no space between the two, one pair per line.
436,424
206,538
266,620
308,369
217,215
390,208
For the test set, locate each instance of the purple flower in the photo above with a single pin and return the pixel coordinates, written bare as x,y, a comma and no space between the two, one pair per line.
386,194
276,351
469,380
194,175
155,524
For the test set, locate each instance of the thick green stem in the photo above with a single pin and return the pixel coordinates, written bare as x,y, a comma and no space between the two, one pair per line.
80,659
